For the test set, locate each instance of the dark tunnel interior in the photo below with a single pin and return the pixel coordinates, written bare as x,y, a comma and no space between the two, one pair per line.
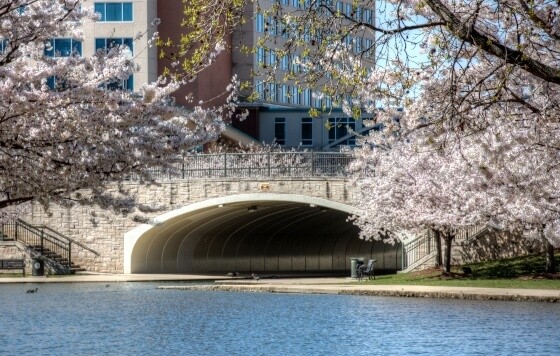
264,237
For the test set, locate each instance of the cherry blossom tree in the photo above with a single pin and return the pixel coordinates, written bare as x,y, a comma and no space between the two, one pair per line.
409,186
62,133
475,85
448,183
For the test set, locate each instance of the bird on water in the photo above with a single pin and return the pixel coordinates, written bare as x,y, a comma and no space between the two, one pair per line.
32,290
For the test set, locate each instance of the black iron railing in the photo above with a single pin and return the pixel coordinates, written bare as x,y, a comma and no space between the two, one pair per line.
42,239
424,246
417,249
257,165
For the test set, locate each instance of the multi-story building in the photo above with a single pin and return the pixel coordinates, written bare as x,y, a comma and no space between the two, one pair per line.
281,111
120,23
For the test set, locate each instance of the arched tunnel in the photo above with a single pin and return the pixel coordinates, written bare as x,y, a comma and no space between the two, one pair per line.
265,237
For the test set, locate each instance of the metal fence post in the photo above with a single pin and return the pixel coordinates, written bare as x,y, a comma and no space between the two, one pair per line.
42,238
69,254
225,164
269,168
429,241
404,261
312,163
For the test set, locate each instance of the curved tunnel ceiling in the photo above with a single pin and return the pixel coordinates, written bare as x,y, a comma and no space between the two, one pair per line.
270,237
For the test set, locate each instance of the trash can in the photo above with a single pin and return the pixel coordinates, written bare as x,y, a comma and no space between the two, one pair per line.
38,267
354,263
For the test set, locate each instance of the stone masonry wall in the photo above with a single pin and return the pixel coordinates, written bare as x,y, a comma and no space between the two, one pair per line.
14,250
494,245
103,231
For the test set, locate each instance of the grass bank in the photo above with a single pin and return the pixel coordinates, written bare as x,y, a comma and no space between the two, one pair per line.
525,272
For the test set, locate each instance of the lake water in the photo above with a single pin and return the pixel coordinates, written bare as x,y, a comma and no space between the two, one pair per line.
137,318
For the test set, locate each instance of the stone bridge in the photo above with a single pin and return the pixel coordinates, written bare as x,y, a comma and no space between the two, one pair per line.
269,213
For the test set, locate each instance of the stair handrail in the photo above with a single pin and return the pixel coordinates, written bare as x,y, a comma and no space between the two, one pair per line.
464,236
43,240
411,249
467,235
70,240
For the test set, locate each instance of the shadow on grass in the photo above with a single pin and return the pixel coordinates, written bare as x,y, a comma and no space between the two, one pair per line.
532,265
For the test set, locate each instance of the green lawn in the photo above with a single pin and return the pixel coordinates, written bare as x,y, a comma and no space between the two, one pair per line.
519,272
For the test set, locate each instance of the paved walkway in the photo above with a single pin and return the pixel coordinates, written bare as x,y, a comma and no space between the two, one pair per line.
303,285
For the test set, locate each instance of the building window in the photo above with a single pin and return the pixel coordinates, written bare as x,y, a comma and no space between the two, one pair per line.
367,16
266,57
285,63
284,30
348,10
114,11
280,130
261,56
294,96
259,88
108,43
3,45
284,93
359,15
271,92
340,127
307,97
296,66
367,45
259,23
348,41
318,101
63,47
358,45
328,102
105,44
339,7
271,26
307,131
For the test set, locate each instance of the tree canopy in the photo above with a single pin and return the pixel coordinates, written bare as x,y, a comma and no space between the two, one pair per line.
467,93
62,130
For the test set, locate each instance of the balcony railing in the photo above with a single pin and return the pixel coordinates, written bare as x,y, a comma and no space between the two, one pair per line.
257,165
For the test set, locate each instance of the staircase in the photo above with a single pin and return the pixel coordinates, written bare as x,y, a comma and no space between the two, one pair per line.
418,252
422,250
44,242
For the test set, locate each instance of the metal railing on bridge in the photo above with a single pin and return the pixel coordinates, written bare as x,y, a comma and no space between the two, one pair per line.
257,165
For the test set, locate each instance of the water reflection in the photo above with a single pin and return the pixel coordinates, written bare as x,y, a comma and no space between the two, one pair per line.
137,318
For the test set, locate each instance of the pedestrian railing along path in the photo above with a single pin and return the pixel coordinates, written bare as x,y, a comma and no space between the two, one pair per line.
44,242
257,165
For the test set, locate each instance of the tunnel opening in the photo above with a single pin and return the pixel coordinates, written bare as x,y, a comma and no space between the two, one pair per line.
264,237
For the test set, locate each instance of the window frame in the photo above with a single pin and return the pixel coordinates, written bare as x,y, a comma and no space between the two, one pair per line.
280,126
307,131
72,47
337,126
122,13
128,83
259,23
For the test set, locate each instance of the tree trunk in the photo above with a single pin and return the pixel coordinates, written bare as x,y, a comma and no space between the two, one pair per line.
448,238
550,261
437,238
